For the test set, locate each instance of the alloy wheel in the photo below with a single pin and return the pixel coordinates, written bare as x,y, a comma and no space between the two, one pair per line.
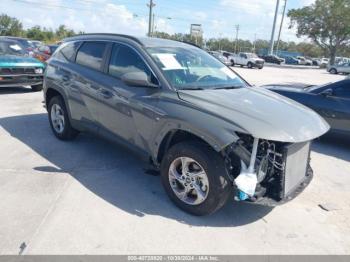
57,118
188,180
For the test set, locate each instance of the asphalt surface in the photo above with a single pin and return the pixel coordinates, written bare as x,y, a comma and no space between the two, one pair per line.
89,196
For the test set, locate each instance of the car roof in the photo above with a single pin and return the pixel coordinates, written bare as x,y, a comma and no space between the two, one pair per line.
144,41
14,38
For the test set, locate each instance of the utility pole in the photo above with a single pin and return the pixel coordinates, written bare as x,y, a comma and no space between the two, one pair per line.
281,25
237,30
150,5
153,24
273,28
254,45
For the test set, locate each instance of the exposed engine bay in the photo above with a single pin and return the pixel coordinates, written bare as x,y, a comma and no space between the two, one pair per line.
274,165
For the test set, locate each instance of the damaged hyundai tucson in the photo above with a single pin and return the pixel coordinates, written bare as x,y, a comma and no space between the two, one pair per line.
212,136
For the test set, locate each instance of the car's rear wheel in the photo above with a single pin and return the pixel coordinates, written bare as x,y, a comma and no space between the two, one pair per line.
59,120
194,177
37,88
333,71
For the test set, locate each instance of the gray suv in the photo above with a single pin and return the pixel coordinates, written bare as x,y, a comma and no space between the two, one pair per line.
210,134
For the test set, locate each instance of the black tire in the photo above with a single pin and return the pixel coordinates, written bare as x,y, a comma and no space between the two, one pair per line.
333,71
214,166
68,132
250,65
232,63
37,88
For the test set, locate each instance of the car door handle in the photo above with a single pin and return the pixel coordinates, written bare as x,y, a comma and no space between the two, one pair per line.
106,93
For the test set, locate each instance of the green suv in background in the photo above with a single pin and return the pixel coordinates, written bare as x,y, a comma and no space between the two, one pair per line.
18,69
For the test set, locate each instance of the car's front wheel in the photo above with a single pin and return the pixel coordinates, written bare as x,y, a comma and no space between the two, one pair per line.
194,177
250,65
333,71
59,120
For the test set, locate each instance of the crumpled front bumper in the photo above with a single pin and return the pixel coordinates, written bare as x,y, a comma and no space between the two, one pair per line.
267,201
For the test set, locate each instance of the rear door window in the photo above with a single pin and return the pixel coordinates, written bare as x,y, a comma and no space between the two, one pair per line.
90,54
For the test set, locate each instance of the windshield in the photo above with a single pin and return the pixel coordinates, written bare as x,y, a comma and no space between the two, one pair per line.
193,68
10,48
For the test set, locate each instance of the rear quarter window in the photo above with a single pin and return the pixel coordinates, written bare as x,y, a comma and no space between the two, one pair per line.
90,54
68,51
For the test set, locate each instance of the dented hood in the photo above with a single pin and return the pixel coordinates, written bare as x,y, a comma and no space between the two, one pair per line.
260,112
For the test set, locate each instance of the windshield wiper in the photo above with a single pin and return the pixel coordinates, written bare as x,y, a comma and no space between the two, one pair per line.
192,88
228,87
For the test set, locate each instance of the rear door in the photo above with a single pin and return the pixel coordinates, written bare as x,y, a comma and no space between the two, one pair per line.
89,65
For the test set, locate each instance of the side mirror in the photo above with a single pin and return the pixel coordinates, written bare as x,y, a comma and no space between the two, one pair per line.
137,79
327,92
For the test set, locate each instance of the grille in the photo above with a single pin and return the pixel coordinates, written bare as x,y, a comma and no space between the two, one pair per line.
296,164
17,70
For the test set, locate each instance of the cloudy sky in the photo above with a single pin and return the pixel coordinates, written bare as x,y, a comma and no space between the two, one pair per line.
218,17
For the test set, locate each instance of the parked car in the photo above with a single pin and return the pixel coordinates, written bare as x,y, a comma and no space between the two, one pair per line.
273,59
44,52
331,101
24,42
304,61
343,68
206,129
321,62
247,59
220,57
16,69
289,60
35,44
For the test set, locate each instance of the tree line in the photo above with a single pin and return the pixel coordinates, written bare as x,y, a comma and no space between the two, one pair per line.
11,26
326,23
307,49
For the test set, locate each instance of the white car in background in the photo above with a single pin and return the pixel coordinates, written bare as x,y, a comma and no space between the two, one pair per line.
304,61
247,59
343,68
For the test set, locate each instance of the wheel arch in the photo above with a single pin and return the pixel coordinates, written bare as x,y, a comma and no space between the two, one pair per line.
51,92
175,136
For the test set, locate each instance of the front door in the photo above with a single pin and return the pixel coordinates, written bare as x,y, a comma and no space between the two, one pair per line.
127,112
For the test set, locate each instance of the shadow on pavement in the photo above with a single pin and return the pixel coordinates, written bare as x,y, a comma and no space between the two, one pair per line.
115,174
14,90
336,145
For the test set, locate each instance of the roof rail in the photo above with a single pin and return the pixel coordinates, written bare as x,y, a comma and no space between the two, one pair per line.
105,34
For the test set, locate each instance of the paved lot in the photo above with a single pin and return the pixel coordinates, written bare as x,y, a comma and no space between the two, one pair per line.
273,75
91,197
